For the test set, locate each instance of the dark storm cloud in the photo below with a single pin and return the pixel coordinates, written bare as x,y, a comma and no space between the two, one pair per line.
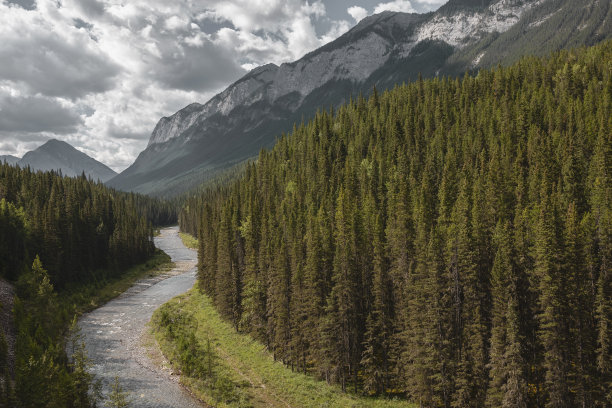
36,114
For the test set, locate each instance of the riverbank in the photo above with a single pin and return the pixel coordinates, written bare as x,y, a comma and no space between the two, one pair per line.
85,298
114,334
228,369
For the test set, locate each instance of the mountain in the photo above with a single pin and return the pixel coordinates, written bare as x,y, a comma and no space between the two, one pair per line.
58,155
383,50
8,159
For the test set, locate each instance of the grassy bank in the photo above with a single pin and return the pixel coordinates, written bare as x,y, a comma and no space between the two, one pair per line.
45,333
228,369
84,298
189,240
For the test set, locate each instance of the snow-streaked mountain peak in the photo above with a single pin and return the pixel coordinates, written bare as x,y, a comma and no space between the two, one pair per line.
354,57
463,27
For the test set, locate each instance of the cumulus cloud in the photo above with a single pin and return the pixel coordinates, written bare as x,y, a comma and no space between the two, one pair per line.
336,30
397,5
267,15
358,13
280,30
51,58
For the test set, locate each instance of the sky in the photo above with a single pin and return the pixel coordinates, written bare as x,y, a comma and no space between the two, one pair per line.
99,74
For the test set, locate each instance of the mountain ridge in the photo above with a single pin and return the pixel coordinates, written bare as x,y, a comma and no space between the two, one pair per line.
382,50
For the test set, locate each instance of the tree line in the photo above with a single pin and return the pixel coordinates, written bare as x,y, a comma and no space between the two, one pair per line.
448,241
80,229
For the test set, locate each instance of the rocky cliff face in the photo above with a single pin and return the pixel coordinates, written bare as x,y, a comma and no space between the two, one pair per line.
382,50
465,26
169,127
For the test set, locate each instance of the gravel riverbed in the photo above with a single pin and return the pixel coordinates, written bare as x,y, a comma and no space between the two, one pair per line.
114,333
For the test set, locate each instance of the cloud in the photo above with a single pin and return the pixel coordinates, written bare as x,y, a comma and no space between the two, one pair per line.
91,8
435,3
175,23
122,132
358,13
336,30
185,66
396,5
26,4
280,30
51,59
267,15
37,114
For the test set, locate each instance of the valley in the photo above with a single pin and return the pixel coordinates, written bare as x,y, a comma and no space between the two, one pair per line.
410,208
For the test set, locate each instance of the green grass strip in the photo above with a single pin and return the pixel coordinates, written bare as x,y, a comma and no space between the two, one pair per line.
83,298
239,362
189,240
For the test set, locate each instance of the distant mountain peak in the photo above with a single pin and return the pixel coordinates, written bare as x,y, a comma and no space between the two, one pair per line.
9,159
56,142
59,155
52,145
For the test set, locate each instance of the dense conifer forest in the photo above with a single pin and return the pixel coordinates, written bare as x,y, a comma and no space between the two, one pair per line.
60,236
448,242
75,225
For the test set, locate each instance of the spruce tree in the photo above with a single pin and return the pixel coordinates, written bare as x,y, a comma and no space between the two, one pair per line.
379,328
553,333
117,398
507,366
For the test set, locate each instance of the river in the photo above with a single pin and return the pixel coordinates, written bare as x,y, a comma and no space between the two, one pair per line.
114,333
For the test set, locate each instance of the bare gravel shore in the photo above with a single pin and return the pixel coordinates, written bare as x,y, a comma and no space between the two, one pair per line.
115,333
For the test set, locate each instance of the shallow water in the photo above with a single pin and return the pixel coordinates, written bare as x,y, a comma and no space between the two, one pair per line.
113,333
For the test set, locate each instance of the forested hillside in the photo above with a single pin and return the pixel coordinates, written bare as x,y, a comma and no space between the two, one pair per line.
448,241
61,240
75,225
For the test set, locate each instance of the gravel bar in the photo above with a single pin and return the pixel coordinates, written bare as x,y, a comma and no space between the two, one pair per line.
113,333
